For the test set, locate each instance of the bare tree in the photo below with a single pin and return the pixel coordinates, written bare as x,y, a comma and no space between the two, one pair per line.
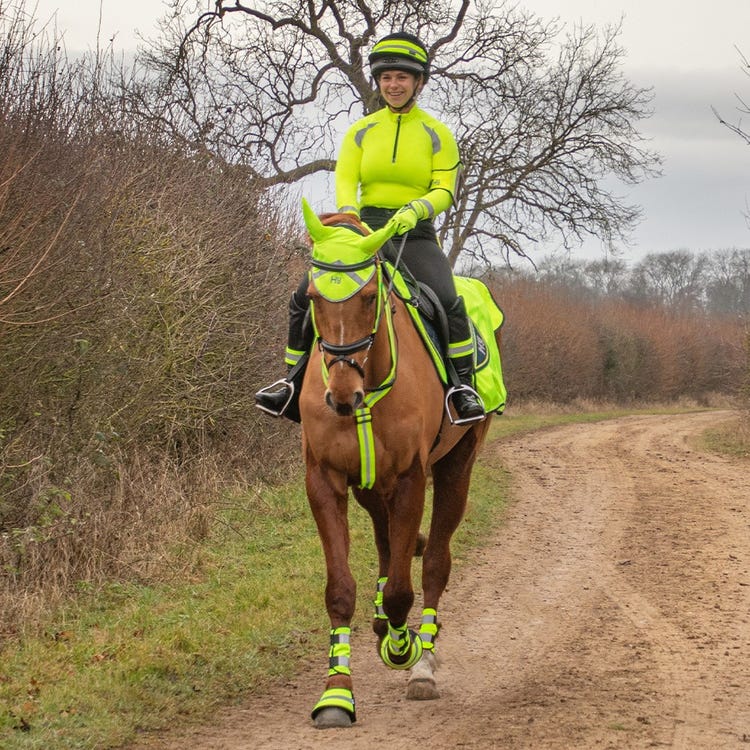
728,282
743,108
675,279
540,138
606,277
541,118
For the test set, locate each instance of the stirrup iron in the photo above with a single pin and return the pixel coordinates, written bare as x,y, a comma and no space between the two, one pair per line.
289,384
448,402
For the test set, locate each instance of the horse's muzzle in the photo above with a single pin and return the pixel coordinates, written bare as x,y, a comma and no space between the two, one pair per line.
345,407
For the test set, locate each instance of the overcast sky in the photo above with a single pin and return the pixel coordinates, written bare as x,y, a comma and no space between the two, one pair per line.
686,51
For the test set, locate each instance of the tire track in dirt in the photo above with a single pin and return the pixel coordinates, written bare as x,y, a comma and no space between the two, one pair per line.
611,610
693,552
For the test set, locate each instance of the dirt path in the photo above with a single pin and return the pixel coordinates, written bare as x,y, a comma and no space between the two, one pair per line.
612,610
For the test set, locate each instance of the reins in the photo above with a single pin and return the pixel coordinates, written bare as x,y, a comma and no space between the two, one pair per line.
397,263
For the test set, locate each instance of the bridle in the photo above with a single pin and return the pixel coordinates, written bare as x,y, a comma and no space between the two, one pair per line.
343,352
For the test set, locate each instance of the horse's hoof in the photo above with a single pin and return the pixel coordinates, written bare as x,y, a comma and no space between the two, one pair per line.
422,685
334,709
332,718
422,690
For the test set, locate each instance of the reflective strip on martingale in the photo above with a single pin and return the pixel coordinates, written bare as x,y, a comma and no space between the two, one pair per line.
340,653
363,417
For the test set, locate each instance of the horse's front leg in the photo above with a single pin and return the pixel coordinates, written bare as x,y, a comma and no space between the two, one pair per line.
401,648
376,506
327,495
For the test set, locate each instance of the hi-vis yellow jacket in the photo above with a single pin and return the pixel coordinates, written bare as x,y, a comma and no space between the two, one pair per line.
388,159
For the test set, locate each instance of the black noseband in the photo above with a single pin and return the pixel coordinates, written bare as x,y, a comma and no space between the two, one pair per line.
343,352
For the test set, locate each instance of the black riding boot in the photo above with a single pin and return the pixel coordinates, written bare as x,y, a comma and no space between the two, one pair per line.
465,399
281,398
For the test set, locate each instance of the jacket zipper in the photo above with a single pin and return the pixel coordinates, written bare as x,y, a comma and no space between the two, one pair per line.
395,142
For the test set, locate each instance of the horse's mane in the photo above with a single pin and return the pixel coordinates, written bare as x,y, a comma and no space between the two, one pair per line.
331,219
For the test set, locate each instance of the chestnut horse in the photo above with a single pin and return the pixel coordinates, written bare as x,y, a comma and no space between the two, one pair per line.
373,419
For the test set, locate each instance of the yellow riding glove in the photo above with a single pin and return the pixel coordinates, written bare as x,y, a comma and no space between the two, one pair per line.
407,217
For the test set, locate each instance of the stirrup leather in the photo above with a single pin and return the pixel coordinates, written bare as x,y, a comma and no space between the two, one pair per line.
272,388
450,393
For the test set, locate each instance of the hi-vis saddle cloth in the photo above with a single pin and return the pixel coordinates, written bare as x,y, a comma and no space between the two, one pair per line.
486,317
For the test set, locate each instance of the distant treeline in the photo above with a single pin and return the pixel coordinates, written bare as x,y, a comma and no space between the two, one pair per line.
561,345
715,281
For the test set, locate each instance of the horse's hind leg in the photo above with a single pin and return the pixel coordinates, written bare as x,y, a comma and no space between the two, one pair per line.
451,478
397,524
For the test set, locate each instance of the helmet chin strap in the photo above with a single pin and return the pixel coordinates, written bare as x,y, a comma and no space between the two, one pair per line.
403,106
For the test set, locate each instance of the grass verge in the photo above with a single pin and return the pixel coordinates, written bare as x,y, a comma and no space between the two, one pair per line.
731,439
129,659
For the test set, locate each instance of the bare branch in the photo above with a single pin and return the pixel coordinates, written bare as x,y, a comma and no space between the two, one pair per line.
744,108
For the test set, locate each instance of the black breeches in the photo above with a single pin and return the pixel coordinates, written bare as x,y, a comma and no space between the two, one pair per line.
299,295
422,254
426,263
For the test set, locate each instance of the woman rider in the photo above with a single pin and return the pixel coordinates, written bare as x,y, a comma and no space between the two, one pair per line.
401,165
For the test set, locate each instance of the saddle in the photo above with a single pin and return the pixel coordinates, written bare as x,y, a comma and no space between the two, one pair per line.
431,320
424,300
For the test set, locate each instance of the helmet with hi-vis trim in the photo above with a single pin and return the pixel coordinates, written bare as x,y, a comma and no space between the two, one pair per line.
400,51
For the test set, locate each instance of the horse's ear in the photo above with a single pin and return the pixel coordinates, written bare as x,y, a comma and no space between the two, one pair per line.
318,231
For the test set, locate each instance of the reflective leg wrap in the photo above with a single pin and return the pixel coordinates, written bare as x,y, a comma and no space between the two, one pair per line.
461,343
401,648
340,652
378,601
281,398
428,630
461,395
339,656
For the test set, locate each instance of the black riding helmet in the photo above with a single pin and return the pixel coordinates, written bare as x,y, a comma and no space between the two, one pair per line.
400,51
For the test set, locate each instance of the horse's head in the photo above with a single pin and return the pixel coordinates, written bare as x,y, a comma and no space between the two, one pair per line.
347,303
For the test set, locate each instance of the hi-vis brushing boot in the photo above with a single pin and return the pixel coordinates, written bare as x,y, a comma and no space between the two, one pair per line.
281,398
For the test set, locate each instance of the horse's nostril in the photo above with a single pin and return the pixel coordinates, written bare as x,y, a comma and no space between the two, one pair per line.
342,408
359,399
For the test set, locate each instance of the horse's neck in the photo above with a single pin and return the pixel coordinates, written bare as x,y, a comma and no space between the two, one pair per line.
380,357
405,339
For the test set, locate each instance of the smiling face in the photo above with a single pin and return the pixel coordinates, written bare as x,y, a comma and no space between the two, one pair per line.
398,88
